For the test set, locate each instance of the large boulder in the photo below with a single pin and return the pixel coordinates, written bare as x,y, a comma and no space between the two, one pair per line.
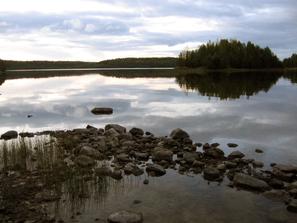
9,135
162,154
215,153
179,134
190,157
102,111
120,129
125,217
246,181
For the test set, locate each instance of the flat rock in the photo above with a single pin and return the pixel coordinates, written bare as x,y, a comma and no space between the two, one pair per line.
125,217
236,154
250,182
156,169
286,168
9,135
102,111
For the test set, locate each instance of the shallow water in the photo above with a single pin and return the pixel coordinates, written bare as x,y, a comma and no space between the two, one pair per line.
252,110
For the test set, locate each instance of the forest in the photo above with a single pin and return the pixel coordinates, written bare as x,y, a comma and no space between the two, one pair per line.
229,54
291,61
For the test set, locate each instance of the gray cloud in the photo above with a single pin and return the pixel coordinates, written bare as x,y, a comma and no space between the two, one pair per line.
148,24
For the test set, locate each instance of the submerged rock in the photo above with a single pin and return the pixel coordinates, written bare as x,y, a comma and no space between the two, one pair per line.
102,111
250,182
9,135
125,217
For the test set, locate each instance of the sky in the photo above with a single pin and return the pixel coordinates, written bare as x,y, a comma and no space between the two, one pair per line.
95,30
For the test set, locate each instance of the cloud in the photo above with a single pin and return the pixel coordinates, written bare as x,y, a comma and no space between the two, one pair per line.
96,30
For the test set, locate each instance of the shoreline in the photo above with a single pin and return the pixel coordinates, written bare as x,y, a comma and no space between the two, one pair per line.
114,152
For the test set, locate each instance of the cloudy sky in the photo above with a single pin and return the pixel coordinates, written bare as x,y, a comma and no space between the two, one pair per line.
93,30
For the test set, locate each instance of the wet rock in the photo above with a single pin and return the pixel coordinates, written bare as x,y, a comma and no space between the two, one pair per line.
131,168
215,153
190,157
258,164
146,181
137,132
277,195
156,169
206,146
9,135
292,185
84,161
236,154
91,152
111,133
288,177
120,129
102,111
211,173
232,145
292,207
246,181
221,167
215,144
179,134
286,168
117,175
125,217
293,193
276,184
162,154
258,150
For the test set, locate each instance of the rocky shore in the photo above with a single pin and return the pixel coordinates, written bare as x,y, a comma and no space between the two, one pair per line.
136,152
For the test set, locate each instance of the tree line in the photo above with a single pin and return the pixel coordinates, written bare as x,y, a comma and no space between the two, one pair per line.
229,54
291,61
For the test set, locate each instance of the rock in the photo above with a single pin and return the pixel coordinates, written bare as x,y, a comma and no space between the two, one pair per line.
190,157
103,171
9,135
198,144
232,145
125,217
292,207
179,134
292,185
84,161
102,111
156,169
89,127
211,173
123,157
250,182
146,181
120,129
230,164
236,154
293,193
214,144
221,167
277,184
277,195
111,133
117,175
258,164
258,150
288,177
286,168
131,168
91,152
136,132
215,153
162,154
206,146
197,164
141,156
26,134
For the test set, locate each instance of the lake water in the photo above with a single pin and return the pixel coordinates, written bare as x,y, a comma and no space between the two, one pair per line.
255,110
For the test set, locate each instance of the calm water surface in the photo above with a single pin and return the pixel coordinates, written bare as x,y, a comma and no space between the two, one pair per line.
252,110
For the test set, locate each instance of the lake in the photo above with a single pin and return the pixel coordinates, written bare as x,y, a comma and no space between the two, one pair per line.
253,110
